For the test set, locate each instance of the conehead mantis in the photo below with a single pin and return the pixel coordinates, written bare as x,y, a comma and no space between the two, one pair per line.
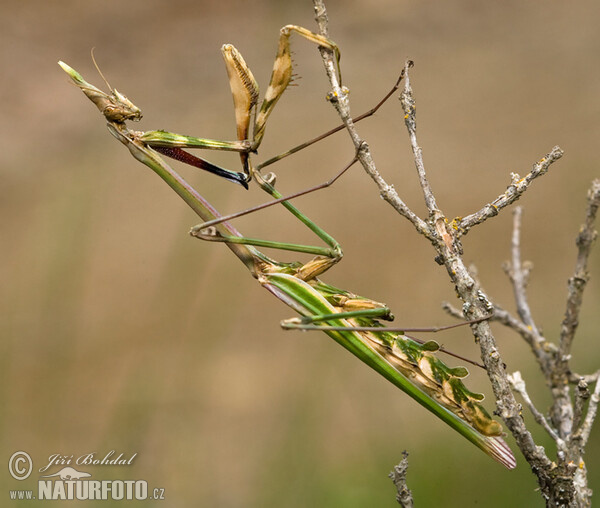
351,320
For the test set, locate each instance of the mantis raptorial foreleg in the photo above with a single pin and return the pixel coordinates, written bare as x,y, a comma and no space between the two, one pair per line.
245,92
282,74
244,88
116,107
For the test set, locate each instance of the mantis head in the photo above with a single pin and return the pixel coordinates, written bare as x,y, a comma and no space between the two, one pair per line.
114,106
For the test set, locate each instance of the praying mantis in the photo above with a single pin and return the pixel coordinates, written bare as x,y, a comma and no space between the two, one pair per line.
351,320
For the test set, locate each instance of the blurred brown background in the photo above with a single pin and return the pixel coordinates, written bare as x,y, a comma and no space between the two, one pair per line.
121,332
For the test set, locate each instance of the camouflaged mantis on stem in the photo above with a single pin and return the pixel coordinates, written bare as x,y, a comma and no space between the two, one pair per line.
351,320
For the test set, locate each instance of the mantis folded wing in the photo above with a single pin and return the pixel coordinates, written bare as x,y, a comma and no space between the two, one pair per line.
411,366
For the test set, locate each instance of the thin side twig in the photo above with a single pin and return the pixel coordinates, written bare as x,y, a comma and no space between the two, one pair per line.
436,217
513,192
583,433
507,319
518,384
576,285
518,272
582,394
575,378
504,317
408,105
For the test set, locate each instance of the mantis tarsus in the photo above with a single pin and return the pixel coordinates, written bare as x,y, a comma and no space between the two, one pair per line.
351,320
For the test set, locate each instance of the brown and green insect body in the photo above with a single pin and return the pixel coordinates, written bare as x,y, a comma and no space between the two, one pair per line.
416,361
411,366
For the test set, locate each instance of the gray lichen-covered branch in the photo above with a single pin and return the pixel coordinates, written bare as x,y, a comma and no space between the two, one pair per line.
562,480
398,476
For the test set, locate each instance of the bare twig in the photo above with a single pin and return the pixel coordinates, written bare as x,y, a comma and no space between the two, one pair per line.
436,217
507,319
583,433
504,317
398,476
513,192
518,274
585,239
582,394
453,311
410,119
575,378
518,384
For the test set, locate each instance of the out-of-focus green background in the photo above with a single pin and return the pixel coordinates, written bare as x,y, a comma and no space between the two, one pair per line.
120,332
